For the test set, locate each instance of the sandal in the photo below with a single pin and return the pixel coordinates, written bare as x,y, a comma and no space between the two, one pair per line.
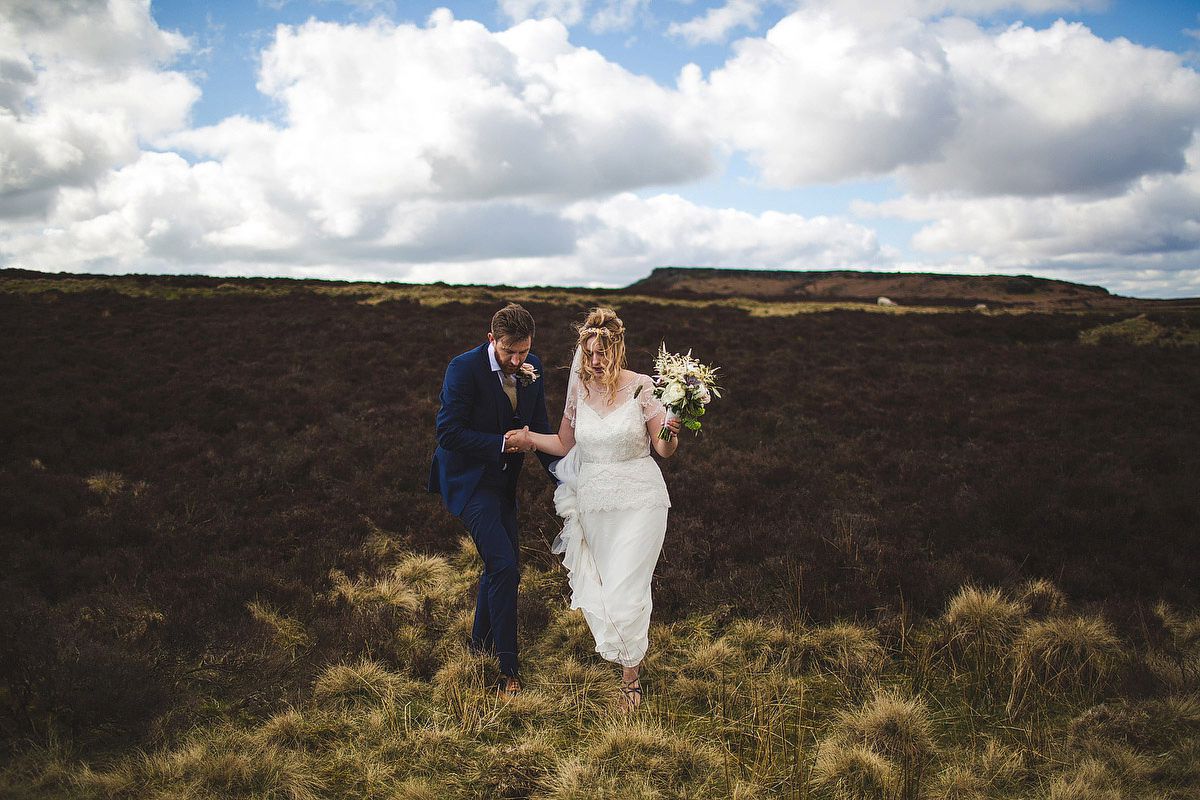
632,692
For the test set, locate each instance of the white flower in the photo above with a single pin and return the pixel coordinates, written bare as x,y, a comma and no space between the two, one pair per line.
672,394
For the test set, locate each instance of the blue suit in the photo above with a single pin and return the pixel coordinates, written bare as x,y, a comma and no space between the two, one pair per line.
478,482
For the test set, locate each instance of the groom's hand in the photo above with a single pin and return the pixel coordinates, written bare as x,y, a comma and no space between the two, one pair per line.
518,441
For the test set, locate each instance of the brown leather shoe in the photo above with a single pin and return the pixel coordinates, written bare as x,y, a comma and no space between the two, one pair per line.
508,687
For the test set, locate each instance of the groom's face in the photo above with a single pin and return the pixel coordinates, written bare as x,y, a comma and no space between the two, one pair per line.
511,353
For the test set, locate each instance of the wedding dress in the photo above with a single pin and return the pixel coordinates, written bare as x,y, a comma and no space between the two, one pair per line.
614,505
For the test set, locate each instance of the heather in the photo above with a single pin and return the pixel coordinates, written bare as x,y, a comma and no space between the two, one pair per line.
224,572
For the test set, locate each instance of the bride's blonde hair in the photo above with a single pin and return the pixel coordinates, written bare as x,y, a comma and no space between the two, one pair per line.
606,326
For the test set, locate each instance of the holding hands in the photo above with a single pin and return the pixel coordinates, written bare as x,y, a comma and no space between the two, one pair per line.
519,441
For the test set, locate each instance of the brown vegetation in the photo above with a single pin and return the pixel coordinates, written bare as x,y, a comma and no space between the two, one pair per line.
206,481
905,288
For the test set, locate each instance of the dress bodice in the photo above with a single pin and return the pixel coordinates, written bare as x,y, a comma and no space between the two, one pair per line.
619,435
616,471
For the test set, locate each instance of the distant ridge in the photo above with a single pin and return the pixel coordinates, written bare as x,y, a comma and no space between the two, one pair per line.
904,288
692,283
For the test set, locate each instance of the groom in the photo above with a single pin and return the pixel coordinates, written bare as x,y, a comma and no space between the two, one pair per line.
489,390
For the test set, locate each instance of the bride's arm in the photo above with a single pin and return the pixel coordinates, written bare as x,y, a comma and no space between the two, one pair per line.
555,444
656,419
664,447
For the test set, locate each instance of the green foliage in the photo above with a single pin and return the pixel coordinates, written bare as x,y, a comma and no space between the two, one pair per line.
1141,331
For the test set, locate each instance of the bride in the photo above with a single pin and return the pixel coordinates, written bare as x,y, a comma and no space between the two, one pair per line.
611,495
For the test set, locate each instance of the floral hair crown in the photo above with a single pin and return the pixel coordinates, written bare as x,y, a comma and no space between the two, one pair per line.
606,333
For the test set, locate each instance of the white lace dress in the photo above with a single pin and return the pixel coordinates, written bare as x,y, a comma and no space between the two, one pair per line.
614,505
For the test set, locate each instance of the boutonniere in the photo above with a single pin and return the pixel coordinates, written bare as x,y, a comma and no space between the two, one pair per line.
526,374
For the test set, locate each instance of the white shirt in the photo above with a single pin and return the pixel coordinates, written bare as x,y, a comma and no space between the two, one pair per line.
495,364
499,373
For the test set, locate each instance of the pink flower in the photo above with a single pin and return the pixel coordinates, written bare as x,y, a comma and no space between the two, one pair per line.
526,374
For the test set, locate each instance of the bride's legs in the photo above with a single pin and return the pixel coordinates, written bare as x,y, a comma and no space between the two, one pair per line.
631,688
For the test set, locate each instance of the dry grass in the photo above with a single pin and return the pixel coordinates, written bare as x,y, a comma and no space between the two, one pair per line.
854,773
850,652
1071,656
896,728
975,632
740,708
1141,331
106,484
288,633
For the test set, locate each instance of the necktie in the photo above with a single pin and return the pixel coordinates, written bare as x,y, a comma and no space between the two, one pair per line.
510,389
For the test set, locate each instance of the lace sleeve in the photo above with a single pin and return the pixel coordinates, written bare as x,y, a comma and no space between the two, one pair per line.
651,405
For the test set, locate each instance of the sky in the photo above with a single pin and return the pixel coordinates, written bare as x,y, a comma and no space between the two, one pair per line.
586,142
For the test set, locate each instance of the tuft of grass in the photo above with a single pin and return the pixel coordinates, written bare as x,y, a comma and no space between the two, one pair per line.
896,728
976,630
363,593
1042,598
853,772
220,762
993,770
568,633
424,573
106,484
634,757
759,643
417,789
467,558
355,686
459,687
1140,331
518,767
1090,780
1184,629
289,634
849,652
1074,655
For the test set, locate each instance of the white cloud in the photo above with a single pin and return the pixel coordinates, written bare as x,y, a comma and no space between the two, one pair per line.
626,236
716,24
621,238
451,152
603,16
457,112
568,12
1151,232
79,94
882,13
1060,111
617,15
949,106
817,100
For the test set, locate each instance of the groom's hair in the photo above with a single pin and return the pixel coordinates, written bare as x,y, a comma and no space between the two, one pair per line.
513,323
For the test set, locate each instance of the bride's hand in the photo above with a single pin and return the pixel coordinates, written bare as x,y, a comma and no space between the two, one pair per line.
517,441
673,425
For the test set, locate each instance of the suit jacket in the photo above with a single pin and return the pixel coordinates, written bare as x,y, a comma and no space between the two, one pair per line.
472,420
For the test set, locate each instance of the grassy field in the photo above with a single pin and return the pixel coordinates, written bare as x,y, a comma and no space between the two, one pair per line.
939,554
1002,695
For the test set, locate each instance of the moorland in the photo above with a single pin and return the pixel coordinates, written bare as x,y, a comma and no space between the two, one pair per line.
919,551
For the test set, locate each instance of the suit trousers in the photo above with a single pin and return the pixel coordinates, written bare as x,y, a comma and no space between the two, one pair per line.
491,519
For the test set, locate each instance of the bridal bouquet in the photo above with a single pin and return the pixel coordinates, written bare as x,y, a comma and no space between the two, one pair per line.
685,387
